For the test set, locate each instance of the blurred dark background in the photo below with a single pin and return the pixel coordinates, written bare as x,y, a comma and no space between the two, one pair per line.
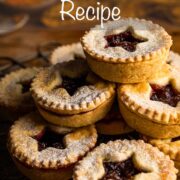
44,22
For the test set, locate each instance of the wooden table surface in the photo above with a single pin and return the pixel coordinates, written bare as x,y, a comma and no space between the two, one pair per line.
44,26
164,12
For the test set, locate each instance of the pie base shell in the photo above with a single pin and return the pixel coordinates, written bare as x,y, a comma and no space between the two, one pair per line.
115,127
153,163
39,174
132,72
147,127
78,120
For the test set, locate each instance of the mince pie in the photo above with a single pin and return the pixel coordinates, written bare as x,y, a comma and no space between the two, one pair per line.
15,90
41,153
125,160
68,94
126,51
67,53
113,123
170,147
153,108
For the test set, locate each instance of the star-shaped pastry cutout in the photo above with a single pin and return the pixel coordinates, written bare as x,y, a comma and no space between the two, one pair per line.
48,138
166,94
127,40
71,85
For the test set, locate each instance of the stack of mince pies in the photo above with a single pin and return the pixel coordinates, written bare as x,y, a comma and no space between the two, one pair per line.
69,95
107,108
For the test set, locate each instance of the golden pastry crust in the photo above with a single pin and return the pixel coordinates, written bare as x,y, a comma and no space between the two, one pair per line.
58,100
117,64
39,174
146,157
161,75
148,127
78,120
153,118
12,95
25,148
126,72
159,43
137,98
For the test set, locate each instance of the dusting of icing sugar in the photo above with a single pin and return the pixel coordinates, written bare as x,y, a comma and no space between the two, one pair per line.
84,93
159,106
27,147
142,98
148,157
66,53
45,82
154,33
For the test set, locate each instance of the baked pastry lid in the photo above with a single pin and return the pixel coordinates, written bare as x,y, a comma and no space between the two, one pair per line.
97,93
146,157
24,147
164,45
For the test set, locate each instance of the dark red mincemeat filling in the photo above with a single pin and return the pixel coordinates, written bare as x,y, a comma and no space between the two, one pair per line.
175,139
166,94
125,40
120,170
48,138
72,84
26,85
